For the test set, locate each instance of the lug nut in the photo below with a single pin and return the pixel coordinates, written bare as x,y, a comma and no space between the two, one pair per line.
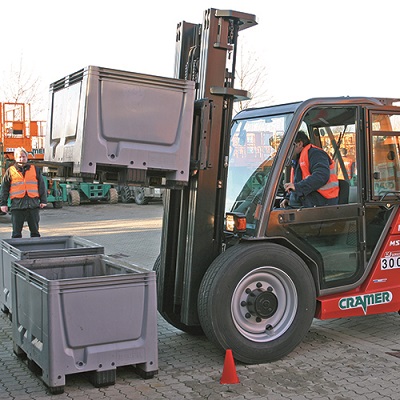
268,327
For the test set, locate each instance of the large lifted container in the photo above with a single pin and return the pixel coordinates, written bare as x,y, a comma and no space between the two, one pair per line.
105,121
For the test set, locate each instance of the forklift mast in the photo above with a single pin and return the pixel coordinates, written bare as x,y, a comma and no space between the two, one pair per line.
194,216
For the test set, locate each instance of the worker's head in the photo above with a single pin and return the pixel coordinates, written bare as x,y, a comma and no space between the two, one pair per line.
301,141
343,151
20,156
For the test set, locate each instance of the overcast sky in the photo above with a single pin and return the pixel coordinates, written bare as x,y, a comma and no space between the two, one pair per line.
309,48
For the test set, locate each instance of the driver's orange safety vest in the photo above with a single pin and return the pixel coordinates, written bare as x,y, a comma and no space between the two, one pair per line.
331,188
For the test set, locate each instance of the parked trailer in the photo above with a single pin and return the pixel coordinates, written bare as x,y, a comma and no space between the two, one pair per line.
79,192
139,194
74,189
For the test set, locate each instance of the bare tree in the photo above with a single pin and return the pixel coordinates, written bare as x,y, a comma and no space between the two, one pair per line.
251,75
21,86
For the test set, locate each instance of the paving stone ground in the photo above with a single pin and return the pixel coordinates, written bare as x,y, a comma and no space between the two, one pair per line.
346,359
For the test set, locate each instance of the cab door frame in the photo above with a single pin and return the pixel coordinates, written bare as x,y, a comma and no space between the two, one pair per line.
284,224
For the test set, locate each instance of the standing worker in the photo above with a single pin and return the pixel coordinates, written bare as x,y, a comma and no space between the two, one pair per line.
314,182
25,186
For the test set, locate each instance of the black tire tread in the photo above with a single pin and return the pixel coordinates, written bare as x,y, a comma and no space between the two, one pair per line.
74,198
217,273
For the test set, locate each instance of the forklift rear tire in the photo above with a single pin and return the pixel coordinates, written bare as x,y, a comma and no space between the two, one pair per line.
258,300
171,317
140,198
74,198
112,196
57,204
126,195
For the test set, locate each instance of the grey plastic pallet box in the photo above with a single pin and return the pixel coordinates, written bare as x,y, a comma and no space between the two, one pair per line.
106,117
42,247
84,314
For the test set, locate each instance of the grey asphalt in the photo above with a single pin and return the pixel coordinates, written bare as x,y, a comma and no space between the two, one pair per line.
355,358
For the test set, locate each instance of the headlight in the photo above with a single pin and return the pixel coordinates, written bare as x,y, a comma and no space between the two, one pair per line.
235,222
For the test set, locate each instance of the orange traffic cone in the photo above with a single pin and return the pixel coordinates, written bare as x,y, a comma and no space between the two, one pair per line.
229,375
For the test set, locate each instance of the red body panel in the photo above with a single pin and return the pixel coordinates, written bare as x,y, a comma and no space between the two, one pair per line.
379,293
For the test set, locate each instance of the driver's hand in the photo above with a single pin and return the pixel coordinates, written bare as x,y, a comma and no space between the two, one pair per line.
289,187
284,203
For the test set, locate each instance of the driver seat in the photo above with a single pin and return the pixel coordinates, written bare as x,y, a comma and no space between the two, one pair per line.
344,189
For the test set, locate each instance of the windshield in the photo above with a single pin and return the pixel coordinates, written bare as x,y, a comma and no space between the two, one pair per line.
253,146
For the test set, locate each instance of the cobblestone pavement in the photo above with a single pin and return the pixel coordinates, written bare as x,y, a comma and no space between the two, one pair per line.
345,359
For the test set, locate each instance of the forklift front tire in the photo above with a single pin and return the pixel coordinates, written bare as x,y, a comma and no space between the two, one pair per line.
257,299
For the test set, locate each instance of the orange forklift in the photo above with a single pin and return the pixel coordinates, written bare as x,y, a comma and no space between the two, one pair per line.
18,130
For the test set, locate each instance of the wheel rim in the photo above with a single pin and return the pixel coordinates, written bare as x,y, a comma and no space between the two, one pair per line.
264,304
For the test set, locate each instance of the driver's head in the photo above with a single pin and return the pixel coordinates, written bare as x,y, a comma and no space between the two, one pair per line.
301,141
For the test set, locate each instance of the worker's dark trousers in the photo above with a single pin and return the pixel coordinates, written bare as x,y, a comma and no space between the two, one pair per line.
18,217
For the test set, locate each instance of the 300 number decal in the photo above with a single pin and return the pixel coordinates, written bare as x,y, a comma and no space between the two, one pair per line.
390,262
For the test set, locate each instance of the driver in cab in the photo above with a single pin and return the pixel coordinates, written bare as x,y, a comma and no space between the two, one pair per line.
313,180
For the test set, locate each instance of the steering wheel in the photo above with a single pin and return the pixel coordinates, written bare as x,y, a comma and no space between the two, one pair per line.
281,190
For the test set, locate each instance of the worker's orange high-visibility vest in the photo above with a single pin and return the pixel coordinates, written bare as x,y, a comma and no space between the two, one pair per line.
331,189
22,185
348,164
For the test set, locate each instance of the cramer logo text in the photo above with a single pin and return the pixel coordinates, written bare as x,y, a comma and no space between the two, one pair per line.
365,300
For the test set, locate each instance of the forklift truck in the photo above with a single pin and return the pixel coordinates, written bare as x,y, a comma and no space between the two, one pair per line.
235,266
232,264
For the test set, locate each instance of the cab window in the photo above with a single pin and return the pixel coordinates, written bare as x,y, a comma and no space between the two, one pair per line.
385,137
334,130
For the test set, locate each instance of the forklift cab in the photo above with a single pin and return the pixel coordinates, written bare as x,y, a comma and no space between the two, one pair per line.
338,243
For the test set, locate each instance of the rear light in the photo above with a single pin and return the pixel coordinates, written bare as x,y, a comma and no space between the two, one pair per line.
235,222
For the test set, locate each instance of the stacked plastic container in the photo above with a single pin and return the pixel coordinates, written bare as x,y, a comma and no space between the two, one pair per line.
77,310
33,248
82,313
